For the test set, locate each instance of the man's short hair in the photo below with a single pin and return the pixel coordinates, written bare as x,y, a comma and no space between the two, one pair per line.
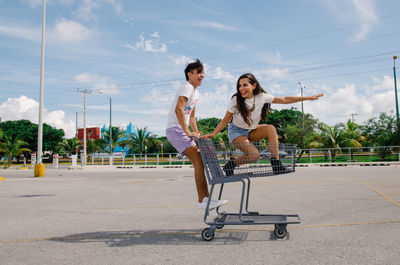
192,66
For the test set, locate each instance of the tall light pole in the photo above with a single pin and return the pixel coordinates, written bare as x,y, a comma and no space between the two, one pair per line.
76,127
302,108
395,89
76,122
110,128
39,168
85,91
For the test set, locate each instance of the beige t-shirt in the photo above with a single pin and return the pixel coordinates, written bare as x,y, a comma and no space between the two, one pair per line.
259,102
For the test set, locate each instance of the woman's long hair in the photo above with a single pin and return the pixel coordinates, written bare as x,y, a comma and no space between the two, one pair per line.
241,104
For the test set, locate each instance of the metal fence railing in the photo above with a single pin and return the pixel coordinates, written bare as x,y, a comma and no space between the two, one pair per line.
315,155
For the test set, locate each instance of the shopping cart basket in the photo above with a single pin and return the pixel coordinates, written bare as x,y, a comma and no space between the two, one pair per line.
215,155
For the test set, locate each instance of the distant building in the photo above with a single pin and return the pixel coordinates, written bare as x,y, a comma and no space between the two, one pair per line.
130,129
91,133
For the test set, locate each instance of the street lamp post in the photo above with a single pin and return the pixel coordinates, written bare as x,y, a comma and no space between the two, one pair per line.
162,150
76,126
302,108
110,128
395,89
39,167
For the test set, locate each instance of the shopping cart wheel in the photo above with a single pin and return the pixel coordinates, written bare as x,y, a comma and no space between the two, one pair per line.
207,234
280,231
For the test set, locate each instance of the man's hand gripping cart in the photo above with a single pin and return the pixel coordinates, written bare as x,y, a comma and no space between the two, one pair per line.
217,154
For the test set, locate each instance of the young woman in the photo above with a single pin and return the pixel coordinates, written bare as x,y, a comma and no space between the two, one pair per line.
250,104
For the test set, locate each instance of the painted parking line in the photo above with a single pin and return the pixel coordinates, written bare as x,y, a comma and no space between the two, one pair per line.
386,197
117,235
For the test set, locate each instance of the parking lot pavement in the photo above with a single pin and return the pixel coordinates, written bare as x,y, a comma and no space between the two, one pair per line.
109,215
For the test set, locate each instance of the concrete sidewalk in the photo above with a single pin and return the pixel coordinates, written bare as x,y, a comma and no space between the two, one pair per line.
108,215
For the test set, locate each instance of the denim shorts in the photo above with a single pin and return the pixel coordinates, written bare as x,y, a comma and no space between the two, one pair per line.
235,131
178,138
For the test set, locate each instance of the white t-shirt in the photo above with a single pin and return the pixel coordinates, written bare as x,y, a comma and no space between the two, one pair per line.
259,101
188,91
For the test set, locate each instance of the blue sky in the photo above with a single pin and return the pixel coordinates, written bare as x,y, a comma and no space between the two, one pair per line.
136,51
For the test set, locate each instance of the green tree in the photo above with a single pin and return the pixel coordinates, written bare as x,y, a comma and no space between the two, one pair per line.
12,147
208,125
281,119
382,132
328,137
139,139
28,132
70,145
351,137
102,144
117,136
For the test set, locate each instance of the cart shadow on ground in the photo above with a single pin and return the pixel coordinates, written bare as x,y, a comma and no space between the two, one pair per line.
163,237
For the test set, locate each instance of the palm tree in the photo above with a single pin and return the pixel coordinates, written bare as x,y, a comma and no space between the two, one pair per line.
70,145
12,147
329,137
101,143
117,135
139,139
351,137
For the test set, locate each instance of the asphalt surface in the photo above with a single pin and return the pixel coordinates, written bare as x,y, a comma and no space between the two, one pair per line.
109,215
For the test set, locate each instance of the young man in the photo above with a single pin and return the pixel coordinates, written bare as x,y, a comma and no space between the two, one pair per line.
182,113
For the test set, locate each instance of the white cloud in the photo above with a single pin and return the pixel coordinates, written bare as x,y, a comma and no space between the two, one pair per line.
214,103
362,10
366,101
159,97
269,74
366,11
215,25
21,32
150,45
70,32
220,74
28,109
181,60
86,8
37,3
103,83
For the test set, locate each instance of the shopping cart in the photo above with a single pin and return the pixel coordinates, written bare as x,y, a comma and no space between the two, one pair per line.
215,155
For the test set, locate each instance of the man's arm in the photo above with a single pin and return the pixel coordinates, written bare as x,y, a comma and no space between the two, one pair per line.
192,121
180,113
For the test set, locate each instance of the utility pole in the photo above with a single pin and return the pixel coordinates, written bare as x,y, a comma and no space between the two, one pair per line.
352,116
85,91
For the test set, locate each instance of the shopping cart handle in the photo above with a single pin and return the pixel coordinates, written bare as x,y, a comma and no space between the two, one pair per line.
194,137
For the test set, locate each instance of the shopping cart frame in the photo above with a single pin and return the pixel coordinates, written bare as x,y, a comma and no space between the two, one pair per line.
216,176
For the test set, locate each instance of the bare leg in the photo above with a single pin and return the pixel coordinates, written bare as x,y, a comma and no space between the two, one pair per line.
267,131
193,153
250,152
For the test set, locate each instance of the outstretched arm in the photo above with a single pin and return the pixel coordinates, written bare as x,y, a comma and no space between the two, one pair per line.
221,125
289,100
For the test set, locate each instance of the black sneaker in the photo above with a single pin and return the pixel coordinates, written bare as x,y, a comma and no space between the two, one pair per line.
277,167
229,167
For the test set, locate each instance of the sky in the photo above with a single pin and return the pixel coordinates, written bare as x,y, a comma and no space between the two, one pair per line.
136,52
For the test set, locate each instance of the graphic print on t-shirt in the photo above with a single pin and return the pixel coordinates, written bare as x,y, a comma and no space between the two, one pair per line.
188,109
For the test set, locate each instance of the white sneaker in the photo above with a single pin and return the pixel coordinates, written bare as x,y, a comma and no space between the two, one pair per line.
213,203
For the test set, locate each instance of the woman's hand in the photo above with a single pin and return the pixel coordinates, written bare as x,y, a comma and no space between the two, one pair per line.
316,96
208,136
